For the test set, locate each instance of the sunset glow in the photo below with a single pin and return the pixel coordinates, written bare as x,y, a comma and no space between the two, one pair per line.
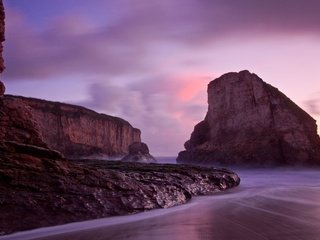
150,62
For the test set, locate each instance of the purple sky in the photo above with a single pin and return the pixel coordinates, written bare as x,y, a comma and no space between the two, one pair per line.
149,62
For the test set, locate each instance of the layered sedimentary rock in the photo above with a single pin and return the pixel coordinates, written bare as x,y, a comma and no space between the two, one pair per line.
250,122
139,152
39,188
73,130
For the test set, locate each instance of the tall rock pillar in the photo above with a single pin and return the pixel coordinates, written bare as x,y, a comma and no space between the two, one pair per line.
249,122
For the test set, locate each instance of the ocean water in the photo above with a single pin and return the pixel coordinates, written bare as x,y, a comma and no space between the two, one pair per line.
269,204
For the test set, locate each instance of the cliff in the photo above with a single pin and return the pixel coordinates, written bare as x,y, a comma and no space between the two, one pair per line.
2,37
73,130
249,122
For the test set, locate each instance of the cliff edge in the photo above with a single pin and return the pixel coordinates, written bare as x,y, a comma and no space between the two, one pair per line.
250,122
73,130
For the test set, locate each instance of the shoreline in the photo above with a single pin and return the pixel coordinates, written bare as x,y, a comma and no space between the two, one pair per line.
49,192
111,221
269,204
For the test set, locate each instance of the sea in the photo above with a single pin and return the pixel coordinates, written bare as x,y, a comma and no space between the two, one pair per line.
269,204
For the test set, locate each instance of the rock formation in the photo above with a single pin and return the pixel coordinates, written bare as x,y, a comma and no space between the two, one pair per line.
73,130
38,188
139,152
250,122
2,89
2,37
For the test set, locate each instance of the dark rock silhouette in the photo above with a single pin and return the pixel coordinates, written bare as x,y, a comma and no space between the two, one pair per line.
139,152
249,122
2,89
2,37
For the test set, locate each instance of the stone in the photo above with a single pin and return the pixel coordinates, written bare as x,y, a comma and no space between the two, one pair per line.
2,89
139,152
73,130
2,37
250,122
2,25
39,188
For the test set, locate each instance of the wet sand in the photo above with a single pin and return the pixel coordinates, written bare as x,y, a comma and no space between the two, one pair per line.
269,204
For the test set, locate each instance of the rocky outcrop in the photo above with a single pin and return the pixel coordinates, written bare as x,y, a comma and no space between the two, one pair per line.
250,122
139,152
2,89
2,15
39,188
73,130
2,37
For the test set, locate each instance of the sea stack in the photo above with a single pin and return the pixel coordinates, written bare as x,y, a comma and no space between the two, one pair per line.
250,122
139,152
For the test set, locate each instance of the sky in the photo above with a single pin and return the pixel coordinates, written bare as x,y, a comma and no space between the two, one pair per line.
150,62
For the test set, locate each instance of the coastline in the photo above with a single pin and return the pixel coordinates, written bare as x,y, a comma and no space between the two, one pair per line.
48,192
269,204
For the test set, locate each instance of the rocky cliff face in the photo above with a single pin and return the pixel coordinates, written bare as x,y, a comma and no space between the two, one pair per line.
2,38
2,88
251,122
73,130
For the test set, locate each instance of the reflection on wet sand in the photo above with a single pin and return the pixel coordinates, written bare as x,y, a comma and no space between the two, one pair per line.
273,205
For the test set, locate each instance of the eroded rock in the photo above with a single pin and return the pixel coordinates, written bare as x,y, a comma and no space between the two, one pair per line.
249,122
40,189
2,89
139,152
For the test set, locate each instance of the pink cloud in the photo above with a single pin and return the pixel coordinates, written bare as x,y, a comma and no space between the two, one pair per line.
156,108
313,105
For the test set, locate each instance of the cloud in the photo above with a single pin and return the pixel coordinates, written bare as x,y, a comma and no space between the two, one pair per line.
131,40
70,46
136,52
165,120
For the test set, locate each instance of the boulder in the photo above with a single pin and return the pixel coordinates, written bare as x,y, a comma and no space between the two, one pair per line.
250,122
139,152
